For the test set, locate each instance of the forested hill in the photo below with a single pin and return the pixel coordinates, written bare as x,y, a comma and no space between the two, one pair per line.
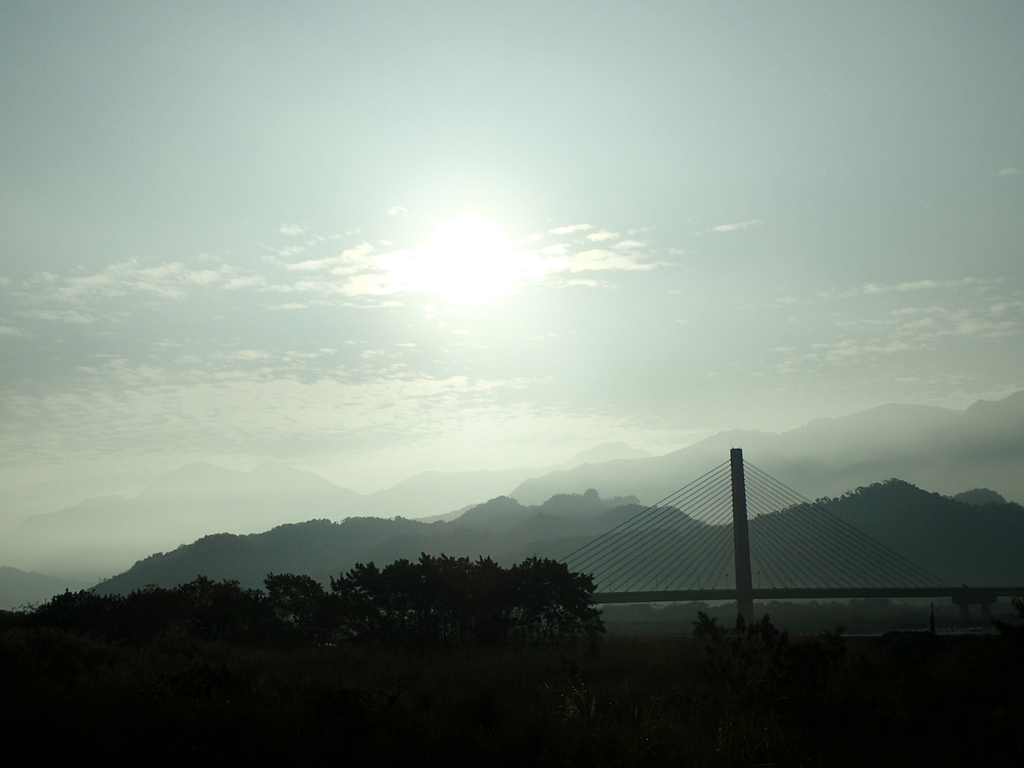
316,548
501,528
958,541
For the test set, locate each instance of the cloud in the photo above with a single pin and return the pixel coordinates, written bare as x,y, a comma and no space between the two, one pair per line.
570,229
917,310
978,323
925,285
1009,172
249,354
291,229
559,249
844,352
601,260
238,283
396,209
348,261
370,284
737,226
854,337
143,406
630,245
871,288
168,281
59,315
604,234
10,330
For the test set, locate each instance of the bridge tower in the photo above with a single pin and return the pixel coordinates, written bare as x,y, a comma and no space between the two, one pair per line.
741,538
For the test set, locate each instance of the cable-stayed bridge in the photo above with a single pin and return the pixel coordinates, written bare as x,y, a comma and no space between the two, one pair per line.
737,533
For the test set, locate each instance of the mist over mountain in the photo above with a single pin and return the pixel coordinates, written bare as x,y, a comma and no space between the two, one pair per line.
184,504
103,535
19,588
936,448
433,493
605,452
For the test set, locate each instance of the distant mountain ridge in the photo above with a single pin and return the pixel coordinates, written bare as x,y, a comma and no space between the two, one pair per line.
20,588
931,447
956,541
605,452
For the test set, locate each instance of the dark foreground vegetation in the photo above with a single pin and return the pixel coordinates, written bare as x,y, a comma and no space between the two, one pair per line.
438,602
867,616
748,696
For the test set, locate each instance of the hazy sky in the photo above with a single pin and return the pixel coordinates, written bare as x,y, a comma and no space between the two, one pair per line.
371,239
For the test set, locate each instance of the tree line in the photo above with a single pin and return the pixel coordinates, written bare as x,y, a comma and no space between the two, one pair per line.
433,603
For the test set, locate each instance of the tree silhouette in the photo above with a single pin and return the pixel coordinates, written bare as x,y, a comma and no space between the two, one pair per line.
446,601
553,603
309,612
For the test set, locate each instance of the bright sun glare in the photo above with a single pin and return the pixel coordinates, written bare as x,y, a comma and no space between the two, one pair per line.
468,260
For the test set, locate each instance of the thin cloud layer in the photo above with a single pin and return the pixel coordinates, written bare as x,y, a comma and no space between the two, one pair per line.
171,281
361,271
598,260
926,285
879,325
738,226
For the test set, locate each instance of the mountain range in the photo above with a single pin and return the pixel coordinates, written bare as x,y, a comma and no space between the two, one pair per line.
954,540
943,450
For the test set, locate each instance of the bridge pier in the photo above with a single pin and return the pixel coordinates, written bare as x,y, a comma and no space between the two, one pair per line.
968,596
741,538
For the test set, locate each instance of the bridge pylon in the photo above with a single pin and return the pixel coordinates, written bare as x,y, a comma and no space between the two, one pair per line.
741,538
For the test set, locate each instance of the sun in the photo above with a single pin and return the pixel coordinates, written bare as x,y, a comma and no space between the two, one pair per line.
469,260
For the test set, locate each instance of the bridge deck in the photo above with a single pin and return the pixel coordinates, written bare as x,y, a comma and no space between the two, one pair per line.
969,594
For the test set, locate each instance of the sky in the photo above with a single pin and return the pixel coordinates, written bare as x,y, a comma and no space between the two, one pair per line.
370,239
